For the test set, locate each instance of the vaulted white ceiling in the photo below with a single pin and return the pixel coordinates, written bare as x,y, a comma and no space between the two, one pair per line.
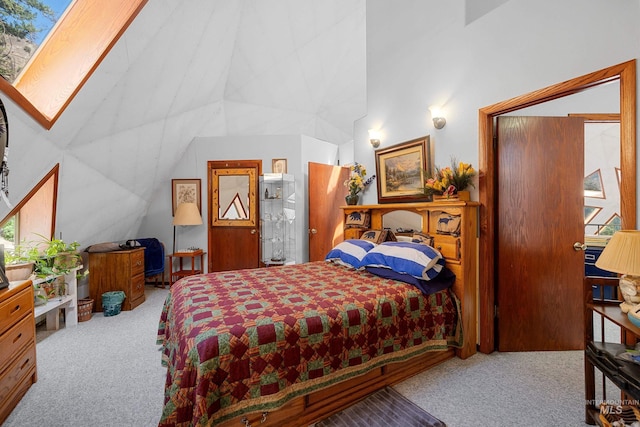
186,69
255,66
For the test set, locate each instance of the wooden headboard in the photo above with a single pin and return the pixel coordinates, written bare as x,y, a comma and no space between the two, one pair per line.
460,251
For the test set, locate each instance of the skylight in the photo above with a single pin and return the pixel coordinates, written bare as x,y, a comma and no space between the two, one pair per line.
24,25
71,51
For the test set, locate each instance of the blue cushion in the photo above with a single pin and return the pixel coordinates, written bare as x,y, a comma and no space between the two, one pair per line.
350,252
444,280
416,259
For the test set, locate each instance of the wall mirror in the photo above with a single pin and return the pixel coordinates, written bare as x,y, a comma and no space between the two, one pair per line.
233,197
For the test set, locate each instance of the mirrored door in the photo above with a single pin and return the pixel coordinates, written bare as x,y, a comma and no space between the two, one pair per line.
234,238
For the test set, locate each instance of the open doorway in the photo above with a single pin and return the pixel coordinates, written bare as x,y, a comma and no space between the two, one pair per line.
625,74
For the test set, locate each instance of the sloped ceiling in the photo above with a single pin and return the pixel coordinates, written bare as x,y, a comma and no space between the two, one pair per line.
185,69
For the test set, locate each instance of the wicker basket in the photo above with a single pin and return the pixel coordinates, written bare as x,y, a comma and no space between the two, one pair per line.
85,307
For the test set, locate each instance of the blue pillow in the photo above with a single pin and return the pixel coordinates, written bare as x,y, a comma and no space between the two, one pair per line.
444,280
415,259
350,252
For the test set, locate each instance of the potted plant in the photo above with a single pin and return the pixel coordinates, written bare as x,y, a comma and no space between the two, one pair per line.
56,256
20,262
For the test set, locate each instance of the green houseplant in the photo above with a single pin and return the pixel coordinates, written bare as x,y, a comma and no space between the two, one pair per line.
56,256
44,258
20,261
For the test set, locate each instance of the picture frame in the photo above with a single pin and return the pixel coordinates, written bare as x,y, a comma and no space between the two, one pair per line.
279,165
401,171
185,191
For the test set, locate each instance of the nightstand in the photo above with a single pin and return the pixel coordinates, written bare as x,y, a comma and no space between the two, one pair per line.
183,271
601,355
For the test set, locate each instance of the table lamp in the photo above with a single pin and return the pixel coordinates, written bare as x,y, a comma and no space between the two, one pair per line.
622,255
186,214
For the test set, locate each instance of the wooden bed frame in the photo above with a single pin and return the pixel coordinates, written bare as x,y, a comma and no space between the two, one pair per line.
461,255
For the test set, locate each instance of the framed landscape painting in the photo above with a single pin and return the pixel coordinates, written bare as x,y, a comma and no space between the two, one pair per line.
402,169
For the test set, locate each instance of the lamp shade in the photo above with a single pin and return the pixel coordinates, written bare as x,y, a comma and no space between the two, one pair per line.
622,253
187,214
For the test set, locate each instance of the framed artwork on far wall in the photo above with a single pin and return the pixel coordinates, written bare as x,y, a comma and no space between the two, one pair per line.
185,191
279,165
401,171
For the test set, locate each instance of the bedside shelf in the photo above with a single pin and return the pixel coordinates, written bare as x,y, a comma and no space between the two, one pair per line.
615,315
602,355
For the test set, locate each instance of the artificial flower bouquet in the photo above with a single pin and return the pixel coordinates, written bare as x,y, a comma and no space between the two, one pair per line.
356,182
449,180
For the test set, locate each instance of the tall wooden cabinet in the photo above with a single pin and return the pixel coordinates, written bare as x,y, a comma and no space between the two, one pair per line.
17,346
117,271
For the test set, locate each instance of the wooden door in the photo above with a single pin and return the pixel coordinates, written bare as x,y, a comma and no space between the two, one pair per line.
540,167
234,212
326,194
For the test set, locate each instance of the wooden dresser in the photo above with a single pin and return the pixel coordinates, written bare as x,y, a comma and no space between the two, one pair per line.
117,271
17,346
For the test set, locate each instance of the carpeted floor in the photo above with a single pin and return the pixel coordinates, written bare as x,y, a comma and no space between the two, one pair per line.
107,372
104,372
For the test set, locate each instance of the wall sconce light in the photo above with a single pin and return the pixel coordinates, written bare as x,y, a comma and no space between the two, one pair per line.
374,138
438,118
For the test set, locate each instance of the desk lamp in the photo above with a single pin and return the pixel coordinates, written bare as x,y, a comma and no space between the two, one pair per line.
622,255
186,214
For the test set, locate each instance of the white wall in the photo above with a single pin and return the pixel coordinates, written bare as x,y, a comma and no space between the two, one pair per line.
297,149
421,53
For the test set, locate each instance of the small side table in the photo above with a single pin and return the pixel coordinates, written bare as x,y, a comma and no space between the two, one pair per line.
181,271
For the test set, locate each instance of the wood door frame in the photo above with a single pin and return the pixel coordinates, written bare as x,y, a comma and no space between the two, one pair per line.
625,73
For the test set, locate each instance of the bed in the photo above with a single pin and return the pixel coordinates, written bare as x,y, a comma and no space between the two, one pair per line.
293,344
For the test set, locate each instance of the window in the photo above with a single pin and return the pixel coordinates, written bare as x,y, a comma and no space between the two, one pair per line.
67,58
25,25
35,214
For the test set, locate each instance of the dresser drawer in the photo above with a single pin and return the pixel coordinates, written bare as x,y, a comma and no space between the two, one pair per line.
15,307
16,338
23,366
137,263
449,247
137,287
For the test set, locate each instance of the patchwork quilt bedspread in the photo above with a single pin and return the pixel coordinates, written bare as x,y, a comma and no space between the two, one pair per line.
249,340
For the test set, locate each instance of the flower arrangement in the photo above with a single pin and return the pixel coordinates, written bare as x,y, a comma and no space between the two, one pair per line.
356,182
449,180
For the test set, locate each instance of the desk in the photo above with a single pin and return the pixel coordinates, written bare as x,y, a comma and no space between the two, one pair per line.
181,271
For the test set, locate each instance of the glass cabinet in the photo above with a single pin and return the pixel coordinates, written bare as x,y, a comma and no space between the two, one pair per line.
277,219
